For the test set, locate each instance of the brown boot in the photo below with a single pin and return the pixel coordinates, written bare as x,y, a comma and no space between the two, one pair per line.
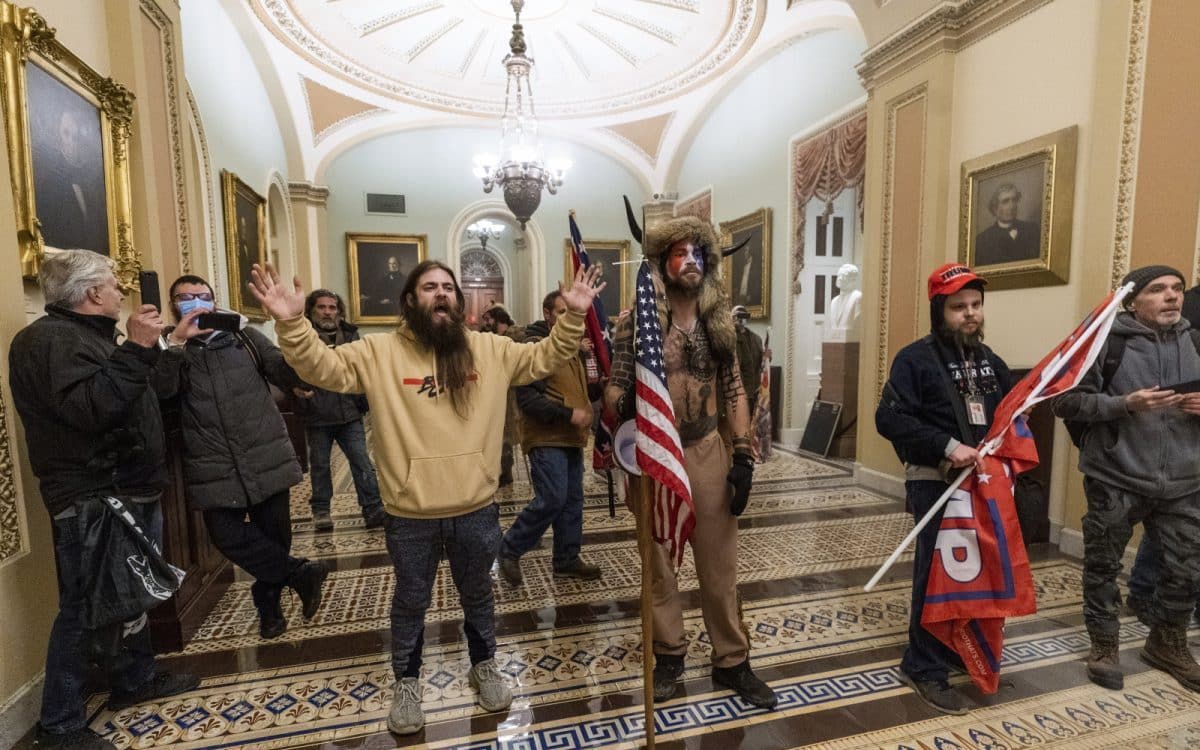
1167,649
1104,661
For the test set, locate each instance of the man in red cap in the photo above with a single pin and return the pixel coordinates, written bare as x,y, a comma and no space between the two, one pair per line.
937,406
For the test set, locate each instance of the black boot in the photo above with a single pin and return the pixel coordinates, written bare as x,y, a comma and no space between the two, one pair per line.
271,622
162,684
746,684
667,671
307,581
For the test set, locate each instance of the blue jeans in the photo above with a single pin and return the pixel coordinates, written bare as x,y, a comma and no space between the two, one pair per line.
352,439
926,658
557,475
67,655
1147,569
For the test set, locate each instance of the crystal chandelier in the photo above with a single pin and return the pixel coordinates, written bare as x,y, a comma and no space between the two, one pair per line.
483,230
520,170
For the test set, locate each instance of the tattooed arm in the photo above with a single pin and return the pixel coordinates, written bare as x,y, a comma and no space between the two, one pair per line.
737,409
618,394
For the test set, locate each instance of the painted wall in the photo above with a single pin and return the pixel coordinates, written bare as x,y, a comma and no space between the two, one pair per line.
432,168
239,122
750,170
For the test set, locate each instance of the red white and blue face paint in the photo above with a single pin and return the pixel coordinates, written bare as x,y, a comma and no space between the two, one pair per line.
683,256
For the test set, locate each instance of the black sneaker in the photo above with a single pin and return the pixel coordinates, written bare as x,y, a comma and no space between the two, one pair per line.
271,622
322,521
939,695
742,680
80,739
667,671
162,684
306,582
510,570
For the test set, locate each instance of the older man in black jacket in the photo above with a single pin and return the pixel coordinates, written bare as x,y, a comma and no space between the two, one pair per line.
92,428
336,417
239,465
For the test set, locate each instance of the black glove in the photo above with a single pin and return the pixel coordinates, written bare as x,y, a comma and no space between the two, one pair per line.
741,474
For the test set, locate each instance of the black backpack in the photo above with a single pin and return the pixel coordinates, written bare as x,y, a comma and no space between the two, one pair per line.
1115,349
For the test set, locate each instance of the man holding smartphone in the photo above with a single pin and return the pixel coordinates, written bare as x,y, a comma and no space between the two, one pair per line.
239,465
1138,458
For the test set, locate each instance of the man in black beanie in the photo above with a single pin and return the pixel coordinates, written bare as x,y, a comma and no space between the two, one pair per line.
1138,458
937,405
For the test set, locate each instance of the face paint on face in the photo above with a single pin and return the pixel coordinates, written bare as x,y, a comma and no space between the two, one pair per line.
682,255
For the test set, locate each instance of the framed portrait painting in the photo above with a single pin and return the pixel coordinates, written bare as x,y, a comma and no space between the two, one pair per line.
1015,212
611,255
245,240
379,265
68,146
747,272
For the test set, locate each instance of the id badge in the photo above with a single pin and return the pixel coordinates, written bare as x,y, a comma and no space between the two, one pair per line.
975,411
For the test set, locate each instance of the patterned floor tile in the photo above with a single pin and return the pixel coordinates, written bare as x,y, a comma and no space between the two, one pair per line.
359,600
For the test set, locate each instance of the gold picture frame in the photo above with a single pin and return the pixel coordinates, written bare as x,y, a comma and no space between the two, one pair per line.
245,240
610,254
748,271
1015,212
375,285
68,134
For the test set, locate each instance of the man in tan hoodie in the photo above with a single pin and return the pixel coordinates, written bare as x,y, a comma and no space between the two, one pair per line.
438,394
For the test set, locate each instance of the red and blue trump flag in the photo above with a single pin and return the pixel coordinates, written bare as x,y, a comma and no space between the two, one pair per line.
980,573
596,329
658,448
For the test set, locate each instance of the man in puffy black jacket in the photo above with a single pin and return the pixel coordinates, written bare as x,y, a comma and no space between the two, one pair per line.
937,405
92,428
239,465
331,417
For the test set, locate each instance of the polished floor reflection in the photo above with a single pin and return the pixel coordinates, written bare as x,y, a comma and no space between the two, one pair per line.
809,540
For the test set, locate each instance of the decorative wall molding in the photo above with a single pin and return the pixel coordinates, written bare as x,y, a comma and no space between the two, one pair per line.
13,539
167,44
306,192
1131,128
885,244
206,186
948,27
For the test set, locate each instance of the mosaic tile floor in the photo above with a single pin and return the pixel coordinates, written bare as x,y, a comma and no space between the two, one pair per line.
573,651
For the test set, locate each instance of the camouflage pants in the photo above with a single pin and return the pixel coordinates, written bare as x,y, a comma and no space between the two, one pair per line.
1173,524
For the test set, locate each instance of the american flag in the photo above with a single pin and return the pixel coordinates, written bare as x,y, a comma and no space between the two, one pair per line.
597,331
659,452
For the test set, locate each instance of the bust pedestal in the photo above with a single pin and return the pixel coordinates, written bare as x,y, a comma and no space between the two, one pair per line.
839,384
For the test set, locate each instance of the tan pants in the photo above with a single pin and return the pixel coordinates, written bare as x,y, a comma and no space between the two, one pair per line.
714,548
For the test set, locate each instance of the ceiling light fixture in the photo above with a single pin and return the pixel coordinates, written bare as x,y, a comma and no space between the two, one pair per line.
520,169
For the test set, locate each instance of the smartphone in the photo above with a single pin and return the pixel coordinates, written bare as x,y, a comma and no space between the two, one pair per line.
148,286
1191,386
220,321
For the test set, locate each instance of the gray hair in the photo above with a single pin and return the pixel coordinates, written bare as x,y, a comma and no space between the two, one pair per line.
67,275
1007,187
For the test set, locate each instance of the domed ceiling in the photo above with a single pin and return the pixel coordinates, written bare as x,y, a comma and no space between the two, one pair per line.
592,57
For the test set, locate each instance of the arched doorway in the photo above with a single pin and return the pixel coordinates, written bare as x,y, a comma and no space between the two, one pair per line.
482,281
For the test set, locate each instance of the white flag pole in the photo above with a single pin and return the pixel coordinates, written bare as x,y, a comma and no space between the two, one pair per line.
1104,318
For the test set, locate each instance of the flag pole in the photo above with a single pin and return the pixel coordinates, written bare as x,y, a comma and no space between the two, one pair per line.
1100,320
645,547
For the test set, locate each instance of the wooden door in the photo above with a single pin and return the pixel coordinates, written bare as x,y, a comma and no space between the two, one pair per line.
479,297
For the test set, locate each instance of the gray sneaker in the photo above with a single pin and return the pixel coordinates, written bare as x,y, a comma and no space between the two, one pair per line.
322,521
494,693
406,716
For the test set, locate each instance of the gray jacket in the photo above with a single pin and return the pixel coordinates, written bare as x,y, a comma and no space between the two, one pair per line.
1151,453
236,452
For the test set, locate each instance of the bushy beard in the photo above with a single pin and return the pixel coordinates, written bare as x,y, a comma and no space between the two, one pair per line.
326,325
448,339
960,340
684,285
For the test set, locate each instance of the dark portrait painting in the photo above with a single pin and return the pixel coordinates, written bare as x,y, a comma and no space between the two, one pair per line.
67,150
610,255
379,268
747,272
245,241
1008,215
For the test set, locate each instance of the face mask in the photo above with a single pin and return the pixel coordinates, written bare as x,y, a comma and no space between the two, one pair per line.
187,305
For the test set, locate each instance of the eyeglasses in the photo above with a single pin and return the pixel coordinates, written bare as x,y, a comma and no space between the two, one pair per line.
188,296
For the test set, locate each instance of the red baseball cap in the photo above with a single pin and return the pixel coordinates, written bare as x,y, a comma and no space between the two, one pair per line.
951,277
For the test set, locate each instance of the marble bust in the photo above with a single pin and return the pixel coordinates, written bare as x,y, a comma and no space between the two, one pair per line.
843,322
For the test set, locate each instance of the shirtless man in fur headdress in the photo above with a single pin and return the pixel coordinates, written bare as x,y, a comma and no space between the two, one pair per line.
700,359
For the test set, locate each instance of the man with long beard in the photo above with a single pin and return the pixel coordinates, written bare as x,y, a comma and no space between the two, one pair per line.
336,417
438,393
700,360
937,405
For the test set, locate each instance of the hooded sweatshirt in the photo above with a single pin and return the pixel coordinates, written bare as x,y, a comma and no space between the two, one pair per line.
432,463
1151,453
